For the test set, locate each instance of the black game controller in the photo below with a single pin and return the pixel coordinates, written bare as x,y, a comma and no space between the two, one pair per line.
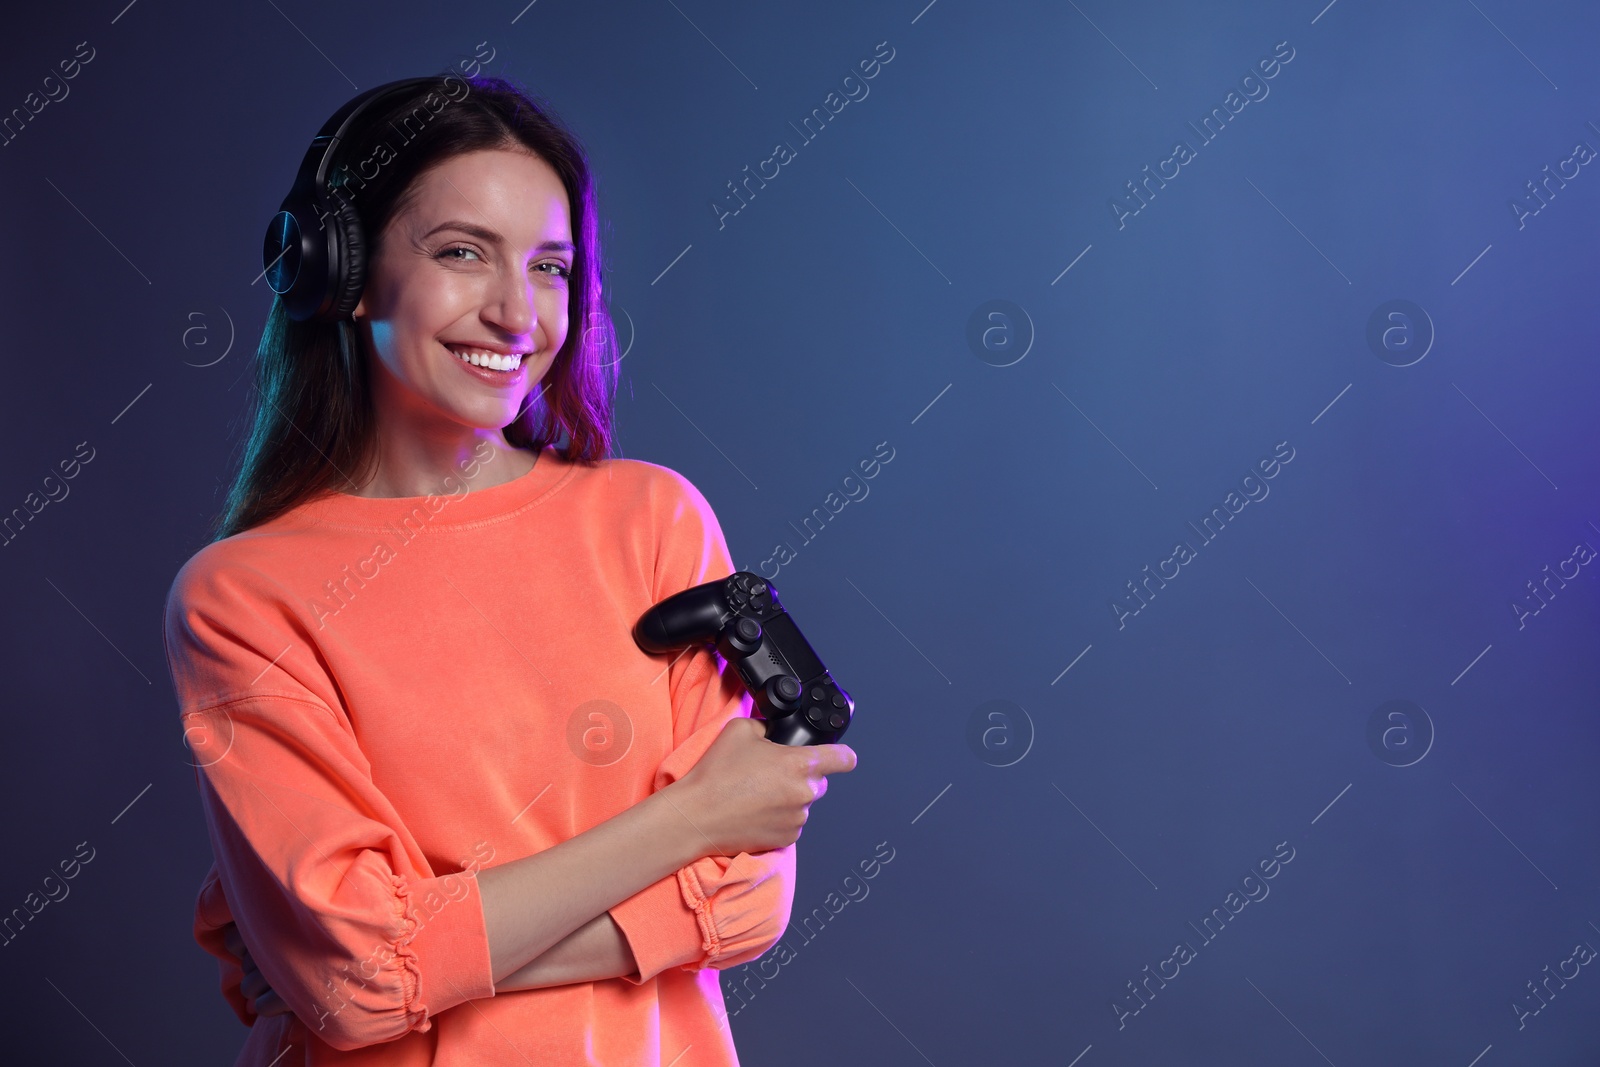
741,614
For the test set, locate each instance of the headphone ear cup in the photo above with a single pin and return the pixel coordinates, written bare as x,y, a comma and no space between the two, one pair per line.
347,269
295,256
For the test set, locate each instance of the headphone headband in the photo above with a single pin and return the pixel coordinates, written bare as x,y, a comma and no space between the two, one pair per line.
314,252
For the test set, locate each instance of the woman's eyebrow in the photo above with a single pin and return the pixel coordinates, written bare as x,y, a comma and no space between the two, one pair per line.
483,233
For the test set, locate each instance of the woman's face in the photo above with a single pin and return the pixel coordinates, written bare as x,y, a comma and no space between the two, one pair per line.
478,261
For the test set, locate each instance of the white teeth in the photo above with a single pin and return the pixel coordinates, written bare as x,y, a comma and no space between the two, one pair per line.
492,360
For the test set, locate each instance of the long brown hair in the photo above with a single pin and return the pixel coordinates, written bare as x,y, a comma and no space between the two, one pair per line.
312,423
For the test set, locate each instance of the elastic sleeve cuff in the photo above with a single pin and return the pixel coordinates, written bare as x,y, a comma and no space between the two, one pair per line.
450,942
742,904
661,929
715,912
699,901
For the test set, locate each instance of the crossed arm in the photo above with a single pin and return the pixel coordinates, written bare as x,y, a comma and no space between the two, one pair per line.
623,900
570,878
593,952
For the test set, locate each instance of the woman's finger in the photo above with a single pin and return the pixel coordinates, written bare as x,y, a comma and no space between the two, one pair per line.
269,1003
254,985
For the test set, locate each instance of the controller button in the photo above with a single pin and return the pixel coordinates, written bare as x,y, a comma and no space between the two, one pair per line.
819,694
816,716
839,700
837,720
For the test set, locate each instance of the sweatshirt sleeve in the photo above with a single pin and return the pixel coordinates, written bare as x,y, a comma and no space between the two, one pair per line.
342,913
719,911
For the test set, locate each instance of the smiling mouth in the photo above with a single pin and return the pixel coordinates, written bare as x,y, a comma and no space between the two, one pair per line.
486,360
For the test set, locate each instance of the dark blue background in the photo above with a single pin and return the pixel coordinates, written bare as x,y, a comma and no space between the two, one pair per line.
1228,315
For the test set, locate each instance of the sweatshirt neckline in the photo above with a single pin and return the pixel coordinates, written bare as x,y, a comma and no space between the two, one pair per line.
444,508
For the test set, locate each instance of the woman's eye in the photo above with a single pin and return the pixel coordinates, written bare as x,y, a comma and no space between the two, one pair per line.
557,270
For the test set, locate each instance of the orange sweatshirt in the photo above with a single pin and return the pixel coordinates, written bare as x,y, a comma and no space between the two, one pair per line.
382,696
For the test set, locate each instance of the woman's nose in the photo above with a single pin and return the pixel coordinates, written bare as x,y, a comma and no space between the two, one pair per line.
513,307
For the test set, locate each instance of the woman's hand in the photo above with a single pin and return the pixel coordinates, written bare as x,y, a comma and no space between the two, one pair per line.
254,987
748,794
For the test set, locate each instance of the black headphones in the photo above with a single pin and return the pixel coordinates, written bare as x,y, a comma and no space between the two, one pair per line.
315,254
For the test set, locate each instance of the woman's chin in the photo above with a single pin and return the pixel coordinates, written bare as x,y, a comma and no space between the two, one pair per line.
481,416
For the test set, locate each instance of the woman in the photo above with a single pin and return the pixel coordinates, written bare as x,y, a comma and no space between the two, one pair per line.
458,816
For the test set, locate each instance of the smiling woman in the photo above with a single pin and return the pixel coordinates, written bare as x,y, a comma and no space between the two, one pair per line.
456,234
447,311
419,346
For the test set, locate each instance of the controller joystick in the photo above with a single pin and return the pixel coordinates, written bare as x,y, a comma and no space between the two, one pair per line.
744,637
742,616
783,692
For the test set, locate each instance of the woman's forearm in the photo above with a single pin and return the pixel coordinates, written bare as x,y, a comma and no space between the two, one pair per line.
533,903
593,952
